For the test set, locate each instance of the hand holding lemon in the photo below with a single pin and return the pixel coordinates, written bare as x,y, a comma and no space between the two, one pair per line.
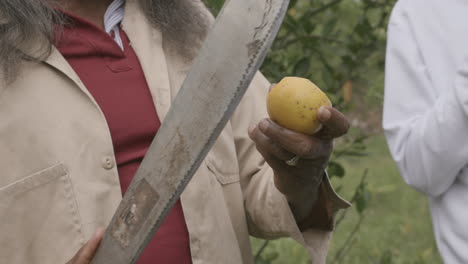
302,124
294,103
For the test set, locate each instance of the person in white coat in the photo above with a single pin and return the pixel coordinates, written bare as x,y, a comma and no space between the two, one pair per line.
426,112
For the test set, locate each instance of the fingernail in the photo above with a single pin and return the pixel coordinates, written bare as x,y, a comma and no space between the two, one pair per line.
264,126
98,232
324,113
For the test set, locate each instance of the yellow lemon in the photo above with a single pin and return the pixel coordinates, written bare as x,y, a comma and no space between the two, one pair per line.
294,102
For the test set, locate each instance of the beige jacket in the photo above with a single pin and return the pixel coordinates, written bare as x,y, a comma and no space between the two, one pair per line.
59,182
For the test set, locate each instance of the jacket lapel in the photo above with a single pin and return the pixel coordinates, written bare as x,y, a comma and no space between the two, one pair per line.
164,65
58,62
147,43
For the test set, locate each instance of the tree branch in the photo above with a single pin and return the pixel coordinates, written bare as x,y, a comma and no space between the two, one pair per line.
347,244
353,199
260,251
323,8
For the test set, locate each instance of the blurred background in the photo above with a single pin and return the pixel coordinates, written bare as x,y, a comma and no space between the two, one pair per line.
340,46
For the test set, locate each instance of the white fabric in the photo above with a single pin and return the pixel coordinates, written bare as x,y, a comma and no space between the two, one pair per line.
426,112
112,18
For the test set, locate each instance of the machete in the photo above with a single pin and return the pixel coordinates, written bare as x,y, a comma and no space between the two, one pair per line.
226,64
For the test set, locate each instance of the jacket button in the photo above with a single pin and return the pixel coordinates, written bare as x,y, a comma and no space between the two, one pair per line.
108,163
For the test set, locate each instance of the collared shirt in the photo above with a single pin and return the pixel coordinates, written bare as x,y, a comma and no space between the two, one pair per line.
426,112
114,77
112,18
116,81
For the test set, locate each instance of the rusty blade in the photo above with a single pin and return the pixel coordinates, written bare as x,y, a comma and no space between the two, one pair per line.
219,77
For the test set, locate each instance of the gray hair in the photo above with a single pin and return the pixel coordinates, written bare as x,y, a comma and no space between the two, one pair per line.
22,21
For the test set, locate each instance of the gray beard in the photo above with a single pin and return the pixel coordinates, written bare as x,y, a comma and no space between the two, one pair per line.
184,23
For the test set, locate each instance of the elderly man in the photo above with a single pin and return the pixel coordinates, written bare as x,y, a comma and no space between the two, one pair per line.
426,112
84,86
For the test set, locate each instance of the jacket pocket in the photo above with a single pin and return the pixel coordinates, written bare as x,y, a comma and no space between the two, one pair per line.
39,219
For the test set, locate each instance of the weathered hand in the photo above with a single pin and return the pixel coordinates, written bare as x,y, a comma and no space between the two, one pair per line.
86,253
278,145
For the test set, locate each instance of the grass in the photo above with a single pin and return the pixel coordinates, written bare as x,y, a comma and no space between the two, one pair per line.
396,228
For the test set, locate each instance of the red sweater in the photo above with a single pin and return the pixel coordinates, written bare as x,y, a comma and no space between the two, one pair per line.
116,81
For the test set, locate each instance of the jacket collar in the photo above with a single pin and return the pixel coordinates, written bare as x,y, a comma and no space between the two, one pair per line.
156,47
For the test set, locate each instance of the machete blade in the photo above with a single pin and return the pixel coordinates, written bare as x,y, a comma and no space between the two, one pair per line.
228,60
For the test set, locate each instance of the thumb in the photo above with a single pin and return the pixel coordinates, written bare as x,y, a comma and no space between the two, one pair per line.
335,124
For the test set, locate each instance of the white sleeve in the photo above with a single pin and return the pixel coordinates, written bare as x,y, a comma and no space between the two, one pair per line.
427,131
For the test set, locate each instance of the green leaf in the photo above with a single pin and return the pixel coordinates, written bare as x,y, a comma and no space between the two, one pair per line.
335,170
270,256
215,5
363,28
362,199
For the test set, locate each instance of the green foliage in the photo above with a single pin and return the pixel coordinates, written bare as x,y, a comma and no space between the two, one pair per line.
333,43
396,228
215,5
